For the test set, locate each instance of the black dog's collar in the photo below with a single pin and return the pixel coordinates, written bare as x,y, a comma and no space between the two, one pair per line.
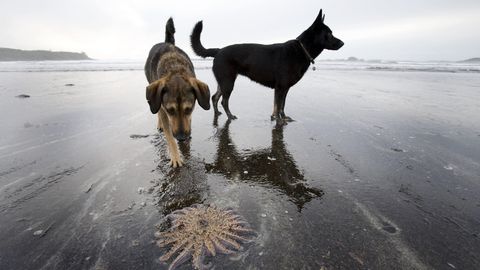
305,51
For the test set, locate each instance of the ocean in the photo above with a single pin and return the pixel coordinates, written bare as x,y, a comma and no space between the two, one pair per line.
125,65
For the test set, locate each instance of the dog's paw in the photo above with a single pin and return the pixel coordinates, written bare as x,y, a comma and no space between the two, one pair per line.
288,119
232,117
176,162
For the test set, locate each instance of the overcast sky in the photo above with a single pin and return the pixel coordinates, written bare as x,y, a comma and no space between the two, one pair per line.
119,29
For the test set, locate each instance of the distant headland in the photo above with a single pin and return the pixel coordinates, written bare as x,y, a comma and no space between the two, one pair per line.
7,54
472,60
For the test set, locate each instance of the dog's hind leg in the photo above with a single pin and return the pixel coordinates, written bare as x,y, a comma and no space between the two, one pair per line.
225,75
226,87
215,99
225,98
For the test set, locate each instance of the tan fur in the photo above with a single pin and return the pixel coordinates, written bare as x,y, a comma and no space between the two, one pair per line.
173,93
174,62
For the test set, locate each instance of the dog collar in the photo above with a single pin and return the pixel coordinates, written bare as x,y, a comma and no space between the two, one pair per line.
305,51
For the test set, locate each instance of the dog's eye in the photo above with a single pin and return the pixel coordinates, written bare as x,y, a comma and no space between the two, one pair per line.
188,110
171,111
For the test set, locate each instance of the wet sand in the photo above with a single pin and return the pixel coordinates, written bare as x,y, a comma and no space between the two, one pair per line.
380,170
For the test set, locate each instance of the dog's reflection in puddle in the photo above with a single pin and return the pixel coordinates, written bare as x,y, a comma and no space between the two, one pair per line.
273,166
178,187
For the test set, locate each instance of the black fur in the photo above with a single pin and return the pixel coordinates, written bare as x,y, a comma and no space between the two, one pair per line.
169,32
278,66
161,48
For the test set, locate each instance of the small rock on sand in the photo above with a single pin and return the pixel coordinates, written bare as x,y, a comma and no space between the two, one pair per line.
23,96
138,136
37,233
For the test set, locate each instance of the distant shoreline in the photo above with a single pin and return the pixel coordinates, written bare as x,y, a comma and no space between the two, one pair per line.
10,55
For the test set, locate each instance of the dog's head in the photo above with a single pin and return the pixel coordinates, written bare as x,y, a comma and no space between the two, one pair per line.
176,95
323,34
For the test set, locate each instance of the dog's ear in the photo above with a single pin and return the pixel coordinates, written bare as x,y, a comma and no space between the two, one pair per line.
201,91
154,95
320,17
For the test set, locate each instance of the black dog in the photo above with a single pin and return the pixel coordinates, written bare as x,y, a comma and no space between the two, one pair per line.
278,66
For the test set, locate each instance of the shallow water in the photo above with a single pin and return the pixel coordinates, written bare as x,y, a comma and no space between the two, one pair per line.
380,170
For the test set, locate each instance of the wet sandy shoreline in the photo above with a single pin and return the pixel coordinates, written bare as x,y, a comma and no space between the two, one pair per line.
379,170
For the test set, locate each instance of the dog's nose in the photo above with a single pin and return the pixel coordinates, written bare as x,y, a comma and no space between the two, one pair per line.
182,137
340,44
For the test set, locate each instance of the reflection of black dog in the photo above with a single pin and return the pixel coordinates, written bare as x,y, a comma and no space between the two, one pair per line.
278,66
273,166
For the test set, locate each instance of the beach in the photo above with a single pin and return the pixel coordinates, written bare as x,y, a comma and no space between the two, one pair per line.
379,170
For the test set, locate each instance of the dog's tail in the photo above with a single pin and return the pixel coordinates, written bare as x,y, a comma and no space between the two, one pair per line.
169,31
197,45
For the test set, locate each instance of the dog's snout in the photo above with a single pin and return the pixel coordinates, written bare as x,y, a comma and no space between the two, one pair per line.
336,44
181,136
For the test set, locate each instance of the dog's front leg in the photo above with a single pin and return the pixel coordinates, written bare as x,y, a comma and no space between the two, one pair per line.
159,123
279,106
276,106
175,159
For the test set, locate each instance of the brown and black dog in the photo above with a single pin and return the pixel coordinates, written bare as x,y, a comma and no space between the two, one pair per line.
172,91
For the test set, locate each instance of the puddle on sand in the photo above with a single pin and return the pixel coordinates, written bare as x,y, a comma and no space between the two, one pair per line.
273,166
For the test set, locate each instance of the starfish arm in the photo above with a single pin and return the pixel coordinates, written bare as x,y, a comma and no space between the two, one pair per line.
238,237
165,242
240,222
174,249
198,254
165,235
182,257
180,212
210,246
234,217
220,247
242,229
229,241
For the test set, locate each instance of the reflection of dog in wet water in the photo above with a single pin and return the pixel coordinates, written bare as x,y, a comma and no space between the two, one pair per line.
273,166
173,90
278,66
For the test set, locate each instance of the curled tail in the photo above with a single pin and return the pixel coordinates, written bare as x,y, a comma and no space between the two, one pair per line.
169,31
197,45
